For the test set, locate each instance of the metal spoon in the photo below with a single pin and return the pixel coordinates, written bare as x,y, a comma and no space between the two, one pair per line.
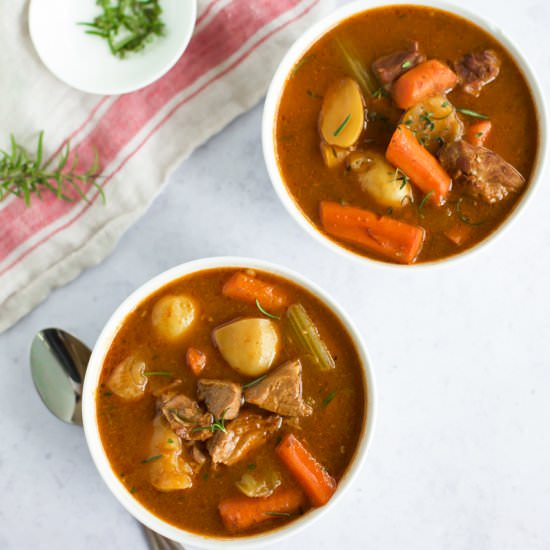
58,365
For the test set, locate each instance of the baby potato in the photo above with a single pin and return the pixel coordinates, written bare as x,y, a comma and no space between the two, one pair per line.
342,115
249,345
170,471
434,122
172,316
383,182
332,155
128,380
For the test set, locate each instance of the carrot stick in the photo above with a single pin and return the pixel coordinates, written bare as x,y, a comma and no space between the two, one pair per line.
459,233
316,482
247,288
478,132
390,238
423,81
240,513
419,164
196,360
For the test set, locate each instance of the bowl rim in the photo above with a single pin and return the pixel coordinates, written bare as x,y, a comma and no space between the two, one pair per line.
314,33
33,25
91,428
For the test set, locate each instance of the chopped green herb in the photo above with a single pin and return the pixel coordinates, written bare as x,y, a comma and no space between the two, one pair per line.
151,458
408,122
463,218
301,63
107,393
338,130
471,113
445,104
158,373
205,476
254,382
380,93
127,25
406,65
278,514
424,200
479,134
251,467
313,94
170,440
133,490
329,398
22,175
428,121
266,313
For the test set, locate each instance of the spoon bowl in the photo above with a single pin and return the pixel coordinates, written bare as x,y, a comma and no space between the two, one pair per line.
58,365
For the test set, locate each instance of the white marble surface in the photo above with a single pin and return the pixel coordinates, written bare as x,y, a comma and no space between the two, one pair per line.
461,454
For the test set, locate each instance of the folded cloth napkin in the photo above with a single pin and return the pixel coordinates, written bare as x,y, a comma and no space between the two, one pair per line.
229,62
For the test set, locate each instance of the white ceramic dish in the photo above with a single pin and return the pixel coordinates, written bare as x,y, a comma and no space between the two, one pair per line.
304,42
92,430
85,62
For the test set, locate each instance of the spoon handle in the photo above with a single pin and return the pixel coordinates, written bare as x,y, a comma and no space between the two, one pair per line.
158,542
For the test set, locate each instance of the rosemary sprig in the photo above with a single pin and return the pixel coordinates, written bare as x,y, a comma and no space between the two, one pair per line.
217,425
127,25
266,313
338,130
151,459
23,176
471,113
254,382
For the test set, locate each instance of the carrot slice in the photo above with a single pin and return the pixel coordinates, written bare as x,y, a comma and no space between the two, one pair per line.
240,513
459,233
196,360
390,238
423,81
425,171
248,288
316,482
478,132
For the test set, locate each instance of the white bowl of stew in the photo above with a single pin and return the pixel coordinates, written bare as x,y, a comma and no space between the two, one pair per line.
213,400
357,179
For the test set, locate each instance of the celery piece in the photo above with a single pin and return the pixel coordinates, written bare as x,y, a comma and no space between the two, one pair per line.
306,336
259,486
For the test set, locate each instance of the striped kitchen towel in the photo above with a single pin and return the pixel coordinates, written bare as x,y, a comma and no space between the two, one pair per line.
232,55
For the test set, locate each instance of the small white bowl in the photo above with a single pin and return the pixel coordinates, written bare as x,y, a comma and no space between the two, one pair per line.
310,37
85,62
91,428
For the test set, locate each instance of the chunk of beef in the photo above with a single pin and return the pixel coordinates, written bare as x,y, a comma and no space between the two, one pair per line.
481,171
220,397
389,67
242,436
196,453
475,70
280,391
185,416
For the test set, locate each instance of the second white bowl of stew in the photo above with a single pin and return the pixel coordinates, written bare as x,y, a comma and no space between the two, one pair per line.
405,133
228,402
